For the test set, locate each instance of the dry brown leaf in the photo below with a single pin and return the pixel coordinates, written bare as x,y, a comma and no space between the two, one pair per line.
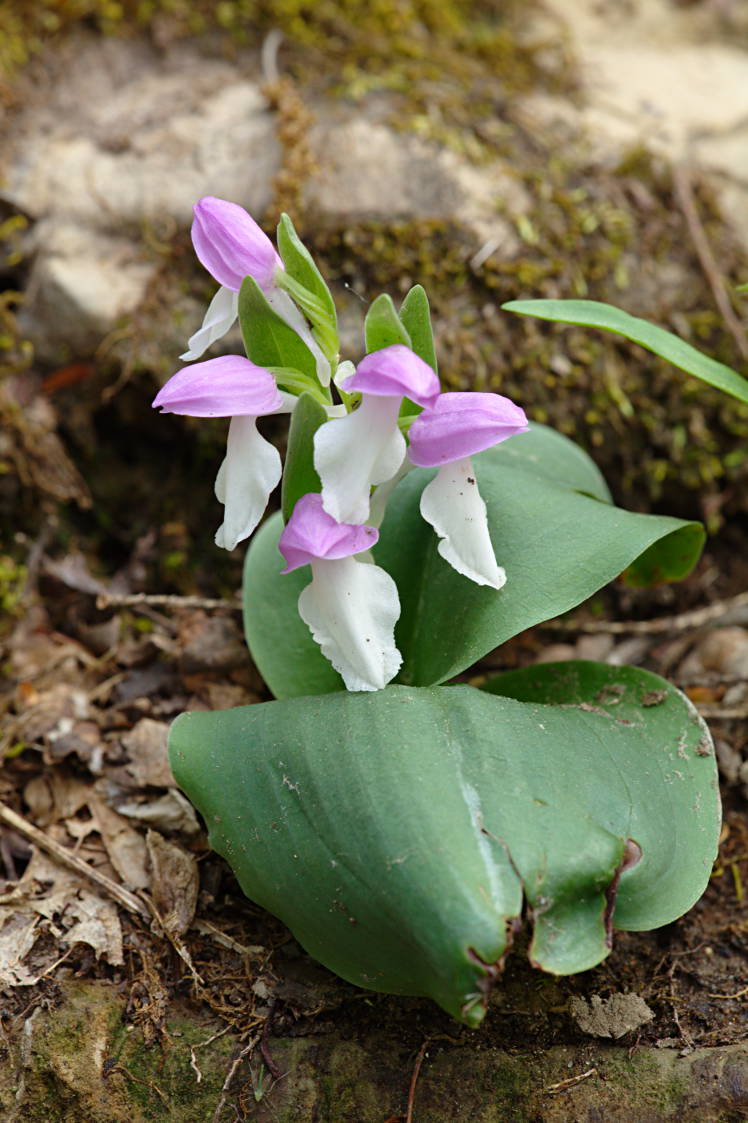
35,448
148,764
210,643
174,883
49,898
17,937
55,795
52,713
171,812
124,845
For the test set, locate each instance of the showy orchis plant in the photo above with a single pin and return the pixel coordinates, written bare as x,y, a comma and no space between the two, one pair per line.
398,826
351,608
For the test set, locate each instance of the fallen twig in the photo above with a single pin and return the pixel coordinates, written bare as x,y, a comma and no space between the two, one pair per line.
414,1080
562,1085
205,928
120,1068
694,618
165,600
230,1076
738,994
687,203
123,896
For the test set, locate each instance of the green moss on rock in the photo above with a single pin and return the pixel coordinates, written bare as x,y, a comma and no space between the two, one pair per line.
661,438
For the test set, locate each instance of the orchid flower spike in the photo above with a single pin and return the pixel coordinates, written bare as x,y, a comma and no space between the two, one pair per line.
446,436
354,453
351,607
231,246
232,386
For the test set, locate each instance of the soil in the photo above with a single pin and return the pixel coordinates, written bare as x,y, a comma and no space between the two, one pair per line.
257,986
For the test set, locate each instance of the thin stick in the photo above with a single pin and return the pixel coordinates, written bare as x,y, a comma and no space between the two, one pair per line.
562,1085
414,1080
230,1076
167,600
738,994
205,928
123,896
694,618
267,1056
684,195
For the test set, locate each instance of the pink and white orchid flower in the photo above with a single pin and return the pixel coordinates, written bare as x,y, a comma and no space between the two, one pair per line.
231,246
232,386
351,607
446,436
352,454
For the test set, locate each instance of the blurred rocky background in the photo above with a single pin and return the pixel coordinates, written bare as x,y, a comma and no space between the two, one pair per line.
490,150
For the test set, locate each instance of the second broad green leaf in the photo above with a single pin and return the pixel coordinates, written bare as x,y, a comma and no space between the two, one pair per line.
554,532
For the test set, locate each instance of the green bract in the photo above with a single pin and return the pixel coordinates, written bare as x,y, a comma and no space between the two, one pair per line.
397,833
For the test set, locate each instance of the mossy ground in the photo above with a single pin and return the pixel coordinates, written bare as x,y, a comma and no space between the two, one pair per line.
84,1060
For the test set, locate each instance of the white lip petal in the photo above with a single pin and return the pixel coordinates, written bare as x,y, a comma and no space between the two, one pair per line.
220,317
455,509
351,610
249,472
356,452
281,303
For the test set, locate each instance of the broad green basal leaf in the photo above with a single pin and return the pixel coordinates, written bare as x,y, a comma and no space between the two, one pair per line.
594,314
679,813
396,833
554,533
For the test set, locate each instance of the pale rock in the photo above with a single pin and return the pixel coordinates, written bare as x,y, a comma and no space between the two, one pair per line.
556,653
721,651
367,170
125,139
657,75
81,284
142,136
595,647
610,1017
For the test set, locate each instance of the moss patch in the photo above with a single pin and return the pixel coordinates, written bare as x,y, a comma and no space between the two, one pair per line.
355,45
663,440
